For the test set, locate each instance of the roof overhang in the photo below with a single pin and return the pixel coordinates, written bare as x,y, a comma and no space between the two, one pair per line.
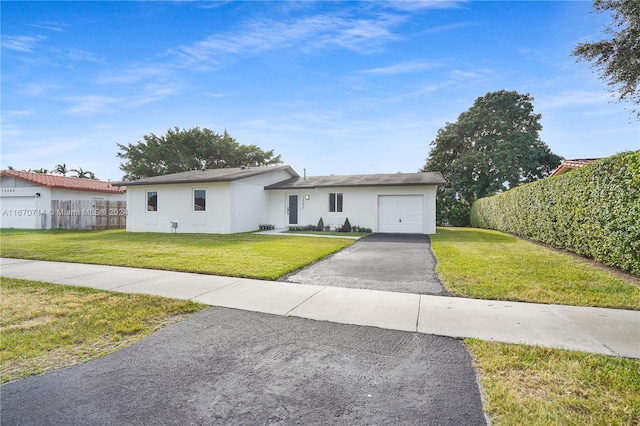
362,181
208,176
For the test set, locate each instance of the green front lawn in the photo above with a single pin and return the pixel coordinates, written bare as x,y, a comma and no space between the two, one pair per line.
485,264
237,255
535,385
49,326
530,385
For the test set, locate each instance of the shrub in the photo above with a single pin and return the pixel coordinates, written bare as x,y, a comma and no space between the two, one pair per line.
593,211
299,228
266,227
347,226
320,224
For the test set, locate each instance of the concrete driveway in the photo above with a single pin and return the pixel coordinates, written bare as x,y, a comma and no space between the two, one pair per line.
389,262
223,366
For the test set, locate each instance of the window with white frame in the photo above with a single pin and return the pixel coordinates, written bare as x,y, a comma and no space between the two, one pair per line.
152,201
199,200
335,202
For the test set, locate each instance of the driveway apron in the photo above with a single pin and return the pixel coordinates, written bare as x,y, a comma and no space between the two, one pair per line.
223,366
389,262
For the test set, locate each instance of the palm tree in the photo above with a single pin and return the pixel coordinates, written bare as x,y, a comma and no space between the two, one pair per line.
61,169
42,171
83,174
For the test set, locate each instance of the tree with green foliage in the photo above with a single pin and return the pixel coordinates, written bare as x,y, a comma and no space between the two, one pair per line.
618,58
493,146
192,149
83,174
60,169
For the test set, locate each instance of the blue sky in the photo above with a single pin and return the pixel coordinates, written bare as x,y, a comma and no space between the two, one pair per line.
334,87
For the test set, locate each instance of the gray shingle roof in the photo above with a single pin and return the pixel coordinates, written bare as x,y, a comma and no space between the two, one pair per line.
396,179
209,175
296,182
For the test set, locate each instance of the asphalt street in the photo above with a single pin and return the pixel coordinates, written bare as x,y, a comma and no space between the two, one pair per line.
224,366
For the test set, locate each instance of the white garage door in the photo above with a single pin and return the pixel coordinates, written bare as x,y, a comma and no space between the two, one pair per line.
18,212
400,214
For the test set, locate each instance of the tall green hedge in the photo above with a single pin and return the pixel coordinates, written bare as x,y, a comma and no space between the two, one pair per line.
593,211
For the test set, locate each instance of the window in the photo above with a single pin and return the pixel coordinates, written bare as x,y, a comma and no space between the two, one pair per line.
199,200
335,202
152,201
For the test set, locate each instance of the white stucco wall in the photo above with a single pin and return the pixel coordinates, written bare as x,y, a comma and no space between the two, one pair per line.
175,204
250,203
231,207
360,206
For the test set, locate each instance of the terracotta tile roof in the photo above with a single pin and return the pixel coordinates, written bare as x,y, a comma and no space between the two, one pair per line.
61,182
568,165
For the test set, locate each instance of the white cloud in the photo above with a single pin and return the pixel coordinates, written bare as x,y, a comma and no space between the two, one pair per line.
37,89
143,95
402,68
35,154
17,113
417,5
79,55
133,74
422,91
467,75
154,92
91,104
306,34
51,26
21,43
217,95
11,131
573,98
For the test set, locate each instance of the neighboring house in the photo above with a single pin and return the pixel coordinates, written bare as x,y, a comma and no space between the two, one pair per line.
568,165
239,200
32,200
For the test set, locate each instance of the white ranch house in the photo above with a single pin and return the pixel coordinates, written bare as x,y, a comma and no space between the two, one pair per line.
232,200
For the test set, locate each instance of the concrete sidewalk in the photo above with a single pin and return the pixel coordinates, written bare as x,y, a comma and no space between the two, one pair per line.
598,330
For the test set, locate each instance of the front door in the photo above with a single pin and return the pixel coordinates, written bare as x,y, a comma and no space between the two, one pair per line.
292,210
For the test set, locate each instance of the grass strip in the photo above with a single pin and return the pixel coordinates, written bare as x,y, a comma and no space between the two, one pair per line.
539,386
484,264
48,326
246,255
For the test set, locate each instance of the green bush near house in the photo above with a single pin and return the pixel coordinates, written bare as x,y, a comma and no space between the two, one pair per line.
593,211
